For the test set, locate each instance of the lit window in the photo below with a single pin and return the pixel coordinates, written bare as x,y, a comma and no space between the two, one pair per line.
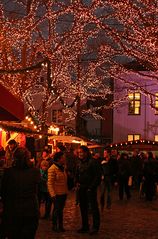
137,96
156,103
156,138
134,103
57,116
132,137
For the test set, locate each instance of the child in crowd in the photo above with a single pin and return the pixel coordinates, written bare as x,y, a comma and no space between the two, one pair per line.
43,191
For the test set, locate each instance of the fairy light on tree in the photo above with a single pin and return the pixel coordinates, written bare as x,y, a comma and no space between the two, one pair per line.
43,39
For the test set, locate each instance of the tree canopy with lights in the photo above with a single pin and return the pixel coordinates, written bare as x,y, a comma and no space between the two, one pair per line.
67,50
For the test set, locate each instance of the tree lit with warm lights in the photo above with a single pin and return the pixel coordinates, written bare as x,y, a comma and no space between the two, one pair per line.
66,51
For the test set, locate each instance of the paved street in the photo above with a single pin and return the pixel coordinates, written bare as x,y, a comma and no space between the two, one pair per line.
134,219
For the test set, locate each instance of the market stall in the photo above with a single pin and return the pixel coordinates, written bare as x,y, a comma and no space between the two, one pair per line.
11,108
65,140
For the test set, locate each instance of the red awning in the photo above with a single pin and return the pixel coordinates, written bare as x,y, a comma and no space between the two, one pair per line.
11,108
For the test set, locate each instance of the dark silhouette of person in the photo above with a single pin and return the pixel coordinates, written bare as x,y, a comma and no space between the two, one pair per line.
124,172
88,177
19,196
106,181
149,174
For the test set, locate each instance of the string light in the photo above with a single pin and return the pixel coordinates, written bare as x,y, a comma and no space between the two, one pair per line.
138,143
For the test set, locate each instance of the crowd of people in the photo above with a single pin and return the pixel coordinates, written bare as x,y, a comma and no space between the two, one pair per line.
26,184
127,171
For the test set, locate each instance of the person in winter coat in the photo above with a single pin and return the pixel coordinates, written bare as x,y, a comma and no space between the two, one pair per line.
10,149
88,177
124,172
149,176
19,197
57,187
106,181
43,193
137,168
46,156
114,155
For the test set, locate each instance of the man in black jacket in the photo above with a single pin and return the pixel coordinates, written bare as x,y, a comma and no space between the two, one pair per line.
88,178
19,197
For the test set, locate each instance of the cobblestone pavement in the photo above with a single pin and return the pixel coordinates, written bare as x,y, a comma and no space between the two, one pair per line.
134,219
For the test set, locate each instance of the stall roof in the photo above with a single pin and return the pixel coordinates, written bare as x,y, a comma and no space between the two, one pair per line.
11,108
95,146
147,145
17,127
66,138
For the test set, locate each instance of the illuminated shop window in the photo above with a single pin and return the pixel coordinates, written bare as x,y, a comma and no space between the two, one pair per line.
132,137
134,103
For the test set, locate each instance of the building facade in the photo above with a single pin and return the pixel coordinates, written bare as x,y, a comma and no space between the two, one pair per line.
137,117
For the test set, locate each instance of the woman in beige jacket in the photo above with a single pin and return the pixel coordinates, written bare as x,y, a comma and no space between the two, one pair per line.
57,187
